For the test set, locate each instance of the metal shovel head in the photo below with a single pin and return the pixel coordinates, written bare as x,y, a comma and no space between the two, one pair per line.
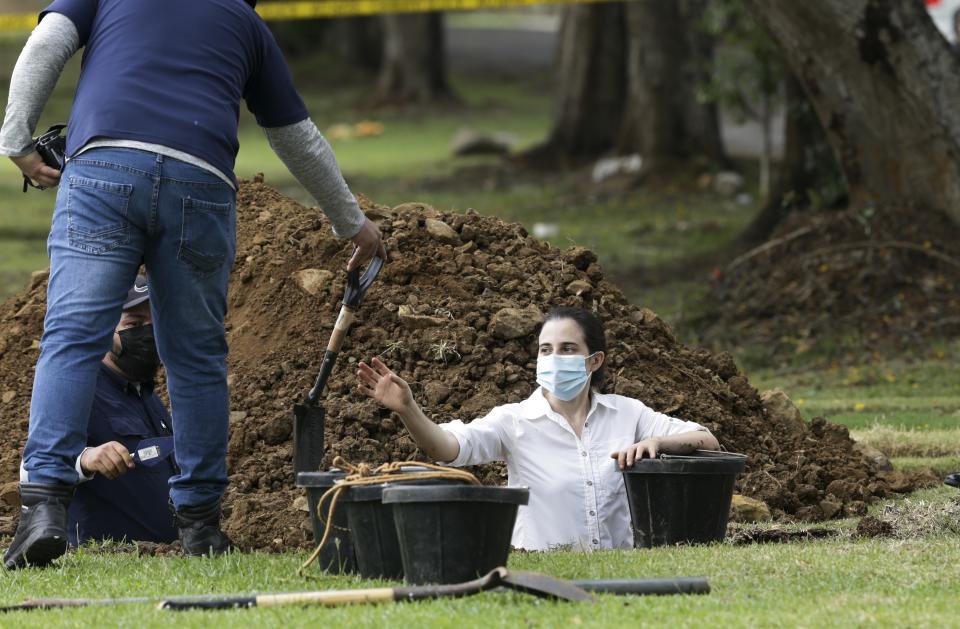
308,423
544,586
150,452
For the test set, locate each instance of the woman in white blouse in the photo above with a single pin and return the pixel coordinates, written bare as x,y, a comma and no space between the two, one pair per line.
567,442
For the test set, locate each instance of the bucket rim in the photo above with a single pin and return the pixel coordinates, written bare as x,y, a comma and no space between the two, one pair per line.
404,494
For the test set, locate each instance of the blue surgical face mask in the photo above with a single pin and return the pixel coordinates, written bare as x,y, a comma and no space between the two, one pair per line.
563,376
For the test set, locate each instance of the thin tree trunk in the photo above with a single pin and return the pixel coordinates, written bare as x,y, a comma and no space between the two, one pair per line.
885,85
414,60
669,57
807,175
591,80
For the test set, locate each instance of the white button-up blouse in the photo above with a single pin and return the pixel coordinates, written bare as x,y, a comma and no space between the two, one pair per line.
577,496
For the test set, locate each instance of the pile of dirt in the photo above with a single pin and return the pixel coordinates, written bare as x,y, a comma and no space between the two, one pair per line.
887,278
454,312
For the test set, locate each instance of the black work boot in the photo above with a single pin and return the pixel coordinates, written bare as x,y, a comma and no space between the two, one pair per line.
199,530
952,479
41,533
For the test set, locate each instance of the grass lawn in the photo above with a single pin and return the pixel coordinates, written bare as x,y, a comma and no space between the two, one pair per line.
824,583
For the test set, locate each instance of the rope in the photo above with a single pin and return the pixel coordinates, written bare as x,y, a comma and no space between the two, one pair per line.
363,474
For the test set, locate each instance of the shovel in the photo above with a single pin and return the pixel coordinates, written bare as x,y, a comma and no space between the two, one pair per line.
539,585
309,417
532,583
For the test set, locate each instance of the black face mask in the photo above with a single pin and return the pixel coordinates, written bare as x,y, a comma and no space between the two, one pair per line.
137,357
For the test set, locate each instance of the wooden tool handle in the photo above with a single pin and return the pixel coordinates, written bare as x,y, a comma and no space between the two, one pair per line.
331,598
340,329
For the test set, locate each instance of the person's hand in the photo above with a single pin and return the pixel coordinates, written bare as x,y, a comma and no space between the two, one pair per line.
384,386
32,166
369,242
111,459
648,448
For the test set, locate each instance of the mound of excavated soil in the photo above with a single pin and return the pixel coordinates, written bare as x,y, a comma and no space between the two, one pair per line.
454,311
887,277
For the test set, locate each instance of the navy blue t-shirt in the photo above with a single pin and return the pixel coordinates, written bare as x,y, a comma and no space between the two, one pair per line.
132,506
173,72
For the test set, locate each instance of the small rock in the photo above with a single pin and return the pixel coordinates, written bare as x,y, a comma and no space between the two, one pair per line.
512,323
237,416
470,142
10,494
8,396
35,344
313,281
728,183
830,508
436,393
542,231
781,410
300,504
579,287
609,167
873,454
744,509
264,216
409,318
442,232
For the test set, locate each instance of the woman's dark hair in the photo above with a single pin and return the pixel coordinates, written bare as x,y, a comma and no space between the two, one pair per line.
593,335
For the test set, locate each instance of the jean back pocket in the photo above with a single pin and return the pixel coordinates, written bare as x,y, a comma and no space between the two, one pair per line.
207,239
97,214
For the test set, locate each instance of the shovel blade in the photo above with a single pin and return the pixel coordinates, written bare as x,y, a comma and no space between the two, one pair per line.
545,586
308,424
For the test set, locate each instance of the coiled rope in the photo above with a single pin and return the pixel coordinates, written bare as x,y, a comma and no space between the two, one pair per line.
363,474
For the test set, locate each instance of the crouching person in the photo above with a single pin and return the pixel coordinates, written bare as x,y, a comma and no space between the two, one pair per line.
116,499
567,442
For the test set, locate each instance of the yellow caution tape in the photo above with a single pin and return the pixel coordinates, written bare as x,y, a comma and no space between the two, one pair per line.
17,22
313,9
341,8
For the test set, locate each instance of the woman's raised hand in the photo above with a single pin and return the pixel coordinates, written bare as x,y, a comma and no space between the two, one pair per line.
384,386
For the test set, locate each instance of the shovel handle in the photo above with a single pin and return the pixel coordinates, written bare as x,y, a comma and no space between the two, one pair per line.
657,587
340,329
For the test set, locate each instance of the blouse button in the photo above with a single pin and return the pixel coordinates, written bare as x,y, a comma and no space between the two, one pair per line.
595,542
593,513
583,454
589,483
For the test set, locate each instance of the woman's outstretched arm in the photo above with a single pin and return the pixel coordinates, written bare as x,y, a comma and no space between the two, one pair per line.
377,381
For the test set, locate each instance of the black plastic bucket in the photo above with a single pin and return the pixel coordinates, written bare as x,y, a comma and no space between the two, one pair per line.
451,534
681,499
371,524
337,555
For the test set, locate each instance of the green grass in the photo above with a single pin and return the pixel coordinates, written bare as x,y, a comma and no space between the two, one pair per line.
941,465
826,583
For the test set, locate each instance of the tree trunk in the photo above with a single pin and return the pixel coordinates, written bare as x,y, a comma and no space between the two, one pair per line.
808,174
669,57
627,81
885,85
414,60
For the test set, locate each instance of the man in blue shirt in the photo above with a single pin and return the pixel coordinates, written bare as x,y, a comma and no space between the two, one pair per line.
120,500
151,144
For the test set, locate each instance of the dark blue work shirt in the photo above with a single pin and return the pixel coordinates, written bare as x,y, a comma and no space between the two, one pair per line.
173,72
133,506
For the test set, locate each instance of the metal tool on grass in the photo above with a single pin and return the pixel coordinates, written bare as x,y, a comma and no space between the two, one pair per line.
309,417
515,580
540,585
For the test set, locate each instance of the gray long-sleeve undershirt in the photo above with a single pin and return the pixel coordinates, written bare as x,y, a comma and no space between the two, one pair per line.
300,146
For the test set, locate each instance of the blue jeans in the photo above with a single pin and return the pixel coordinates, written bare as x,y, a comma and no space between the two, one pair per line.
115,208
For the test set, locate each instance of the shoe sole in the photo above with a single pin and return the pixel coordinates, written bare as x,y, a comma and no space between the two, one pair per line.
40,552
